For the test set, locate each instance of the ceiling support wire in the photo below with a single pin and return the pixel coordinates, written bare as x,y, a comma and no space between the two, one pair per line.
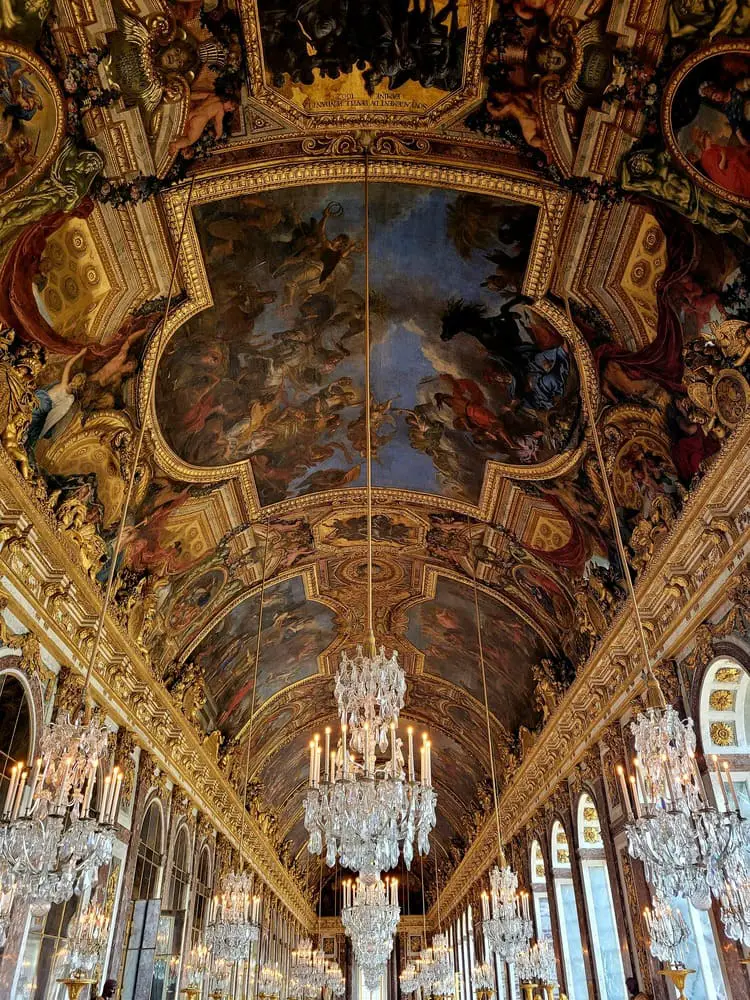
368,415
258,637
150,389
482,665
591,421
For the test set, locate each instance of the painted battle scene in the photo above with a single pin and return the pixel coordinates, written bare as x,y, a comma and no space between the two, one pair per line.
448,622
332,53
295,633
463,372
709,120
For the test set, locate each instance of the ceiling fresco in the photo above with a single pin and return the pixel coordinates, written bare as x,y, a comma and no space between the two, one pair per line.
558,194
459,378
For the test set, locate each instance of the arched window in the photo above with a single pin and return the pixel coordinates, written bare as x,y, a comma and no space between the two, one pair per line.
178,886
542,919
15,729
570,931
725,723
142,976
598,891
202,894
149,856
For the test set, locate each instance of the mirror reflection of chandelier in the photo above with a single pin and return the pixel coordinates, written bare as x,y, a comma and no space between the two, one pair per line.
52,841
370,917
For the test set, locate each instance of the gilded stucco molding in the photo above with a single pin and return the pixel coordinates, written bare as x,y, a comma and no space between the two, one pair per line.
51,596
612,676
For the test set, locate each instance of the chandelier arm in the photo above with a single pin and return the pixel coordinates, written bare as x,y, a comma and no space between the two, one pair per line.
500,852
368,415
612,507
150,390
255,686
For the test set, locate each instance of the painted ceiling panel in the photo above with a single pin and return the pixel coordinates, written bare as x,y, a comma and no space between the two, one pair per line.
295,633
461,372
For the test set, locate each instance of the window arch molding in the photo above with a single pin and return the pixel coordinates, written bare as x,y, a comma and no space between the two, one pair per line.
723,710
10,666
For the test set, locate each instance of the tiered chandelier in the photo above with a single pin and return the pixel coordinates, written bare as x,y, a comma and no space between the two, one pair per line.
688,847
536,964
52,842
484,981
506,920
370,917
308,966
233,918
87,938
365,804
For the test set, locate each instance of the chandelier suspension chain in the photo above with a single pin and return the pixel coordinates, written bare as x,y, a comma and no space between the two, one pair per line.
138,448
368,416
591,416
500,852
255,687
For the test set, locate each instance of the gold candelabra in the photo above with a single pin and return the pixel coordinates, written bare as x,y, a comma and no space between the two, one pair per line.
678,976
191,992
75,985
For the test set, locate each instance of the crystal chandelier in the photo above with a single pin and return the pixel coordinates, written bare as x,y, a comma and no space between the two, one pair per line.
363,810
233,918
309,965
196,966
270,981
668,933
86,939
370,916
409,979
484,981
51,846
436,966
506,920
335,982
688,847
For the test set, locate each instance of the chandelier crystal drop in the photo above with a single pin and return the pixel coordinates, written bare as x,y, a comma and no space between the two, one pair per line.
370,916
436,965
366,811
370,691
688,847
668,933
506,919
51,846
233,918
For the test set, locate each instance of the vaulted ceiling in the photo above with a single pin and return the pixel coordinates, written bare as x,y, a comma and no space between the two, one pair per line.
523,159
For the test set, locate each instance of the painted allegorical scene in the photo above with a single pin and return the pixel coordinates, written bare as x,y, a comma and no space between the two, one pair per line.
709,121
294,634
388,53
447,622
462,371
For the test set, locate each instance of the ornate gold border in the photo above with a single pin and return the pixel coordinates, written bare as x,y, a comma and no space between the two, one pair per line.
268,177
12,49
480,13
720,48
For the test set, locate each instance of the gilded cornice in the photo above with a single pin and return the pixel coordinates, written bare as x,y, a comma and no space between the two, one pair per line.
42,570
683,585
